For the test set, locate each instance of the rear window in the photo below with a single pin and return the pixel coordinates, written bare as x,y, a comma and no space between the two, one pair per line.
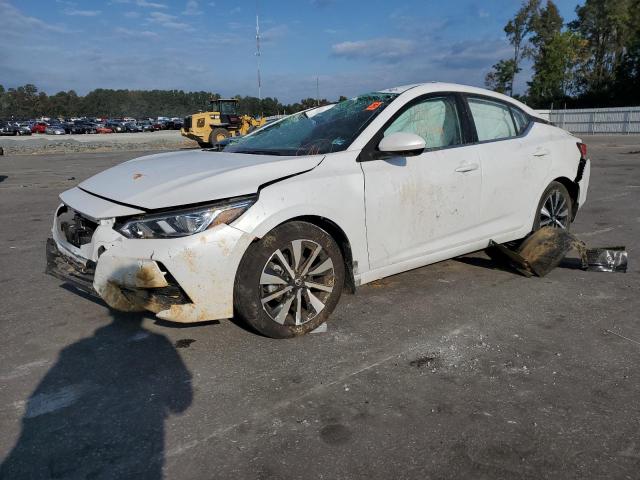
492,119
521,119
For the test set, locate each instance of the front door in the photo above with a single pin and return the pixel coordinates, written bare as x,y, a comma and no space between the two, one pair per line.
420,205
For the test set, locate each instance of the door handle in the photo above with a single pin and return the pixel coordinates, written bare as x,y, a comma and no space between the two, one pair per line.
542,152
468,167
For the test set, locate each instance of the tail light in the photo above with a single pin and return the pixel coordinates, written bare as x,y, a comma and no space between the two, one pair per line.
583,149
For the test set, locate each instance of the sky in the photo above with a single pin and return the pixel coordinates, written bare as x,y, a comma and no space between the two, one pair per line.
350,46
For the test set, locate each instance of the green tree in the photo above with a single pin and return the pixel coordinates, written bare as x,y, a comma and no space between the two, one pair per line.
500,78
607,27
555,69
518,30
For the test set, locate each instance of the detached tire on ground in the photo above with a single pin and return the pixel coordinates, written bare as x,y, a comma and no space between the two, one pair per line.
555,208
290,281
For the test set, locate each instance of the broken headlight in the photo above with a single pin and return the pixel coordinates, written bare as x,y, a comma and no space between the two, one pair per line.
181,223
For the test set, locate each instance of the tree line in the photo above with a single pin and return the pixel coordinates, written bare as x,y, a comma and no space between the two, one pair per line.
27,102
593,61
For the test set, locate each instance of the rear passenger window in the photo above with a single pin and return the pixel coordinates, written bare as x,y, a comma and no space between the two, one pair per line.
492,119
434,119
521,119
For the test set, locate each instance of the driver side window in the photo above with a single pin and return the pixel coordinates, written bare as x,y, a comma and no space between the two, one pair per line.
436,120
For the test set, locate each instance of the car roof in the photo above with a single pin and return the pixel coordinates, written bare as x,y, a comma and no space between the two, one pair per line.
429,87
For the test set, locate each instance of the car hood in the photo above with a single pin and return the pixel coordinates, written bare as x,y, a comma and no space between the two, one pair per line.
181,178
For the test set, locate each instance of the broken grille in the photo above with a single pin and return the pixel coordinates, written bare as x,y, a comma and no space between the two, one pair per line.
77,230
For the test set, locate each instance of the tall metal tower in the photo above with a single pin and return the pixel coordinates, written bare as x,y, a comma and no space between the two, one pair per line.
258,53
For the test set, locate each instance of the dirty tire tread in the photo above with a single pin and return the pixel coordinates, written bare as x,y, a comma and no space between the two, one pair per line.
213,137
553,186
247,302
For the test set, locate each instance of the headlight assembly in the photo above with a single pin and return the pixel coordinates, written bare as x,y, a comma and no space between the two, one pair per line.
181,223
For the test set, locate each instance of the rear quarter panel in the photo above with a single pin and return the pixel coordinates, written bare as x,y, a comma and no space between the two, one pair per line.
564,157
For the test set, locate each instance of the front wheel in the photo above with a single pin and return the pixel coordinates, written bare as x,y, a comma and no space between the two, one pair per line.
218,134
555,208
289,282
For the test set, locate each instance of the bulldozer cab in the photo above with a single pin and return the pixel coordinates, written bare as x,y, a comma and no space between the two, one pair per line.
224,106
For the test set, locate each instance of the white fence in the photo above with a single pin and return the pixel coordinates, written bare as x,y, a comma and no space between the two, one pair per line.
598,121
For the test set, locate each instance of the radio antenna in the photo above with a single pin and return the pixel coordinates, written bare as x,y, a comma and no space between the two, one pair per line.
258,53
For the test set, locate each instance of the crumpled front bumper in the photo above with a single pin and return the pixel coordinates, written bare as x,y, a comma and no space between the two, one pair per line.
188,279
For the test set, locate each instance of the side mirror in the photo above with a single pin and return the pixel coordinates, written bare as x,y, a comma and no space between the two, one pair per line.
403,143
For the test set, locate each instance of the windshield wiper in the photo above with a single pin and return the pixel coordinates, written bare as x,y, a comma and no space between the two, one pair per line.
258,152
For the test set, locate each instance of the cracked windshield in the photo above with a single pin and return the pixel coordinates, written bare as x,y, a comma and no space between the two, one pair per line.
326,129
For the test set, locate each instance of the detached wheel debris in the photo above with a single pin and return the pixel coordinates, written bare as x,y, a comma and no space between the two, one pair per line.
543,251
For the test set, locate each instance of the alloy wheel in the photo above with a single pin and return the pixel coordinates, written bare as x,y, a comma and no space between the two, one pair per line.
296,282
555,211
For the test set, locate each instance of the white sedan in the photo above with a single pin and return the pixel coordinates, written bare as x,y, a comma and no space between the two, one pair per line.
274,228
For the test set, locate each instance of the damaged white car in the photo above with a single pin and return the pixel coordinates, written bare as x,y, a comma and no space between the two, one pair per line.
274,228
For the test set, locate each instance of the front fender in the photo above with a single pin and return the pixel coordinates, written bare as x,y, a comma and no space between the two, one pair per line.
333,190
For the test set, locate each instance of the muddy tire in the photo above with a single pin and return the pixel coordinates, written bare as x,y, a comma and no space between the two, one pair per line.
555,208
218,134
290,281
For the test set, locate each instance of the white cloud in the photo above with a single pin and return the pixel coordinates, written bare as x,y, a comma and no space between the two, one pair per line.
17,25
82,13
375,49
192,8
145,3
126,32
274,33
168,21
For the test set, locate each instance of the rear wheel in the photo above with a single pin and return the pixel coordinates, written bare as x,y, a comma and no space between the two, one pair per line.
218,134
289,282
555,208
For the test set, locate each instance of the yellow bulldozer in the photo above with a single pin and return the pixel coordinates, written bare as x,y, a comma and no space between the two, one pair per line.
221,122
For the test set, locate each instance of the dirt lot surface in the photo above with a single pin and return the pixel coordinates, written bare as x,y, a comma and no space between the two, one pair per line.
455,370
40,143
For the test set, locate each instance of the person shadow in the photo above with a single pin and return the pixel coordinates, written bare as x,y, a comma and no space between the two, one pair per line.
100,411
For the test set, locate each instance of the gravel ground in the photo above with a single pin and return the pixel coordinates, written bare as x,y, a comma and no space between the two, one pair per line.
456,370
38,144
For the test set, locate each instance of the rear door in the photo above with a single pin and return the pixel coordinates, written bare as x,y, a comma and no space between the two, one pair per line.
420,205
512,164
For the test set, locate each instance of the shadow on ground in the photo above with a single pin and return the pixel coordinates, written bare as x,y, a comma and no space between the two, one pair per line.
100,410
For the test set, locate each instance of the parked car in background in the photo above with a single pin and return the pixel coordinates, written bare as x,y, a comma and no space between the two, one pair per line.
146,125
101,128
115,126
24,128
160,125
82,127
39,127
132,127
8,129
55,129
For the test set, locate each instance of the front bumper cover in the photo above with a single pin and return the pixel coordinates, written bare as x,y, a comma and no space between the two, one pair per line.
188,279
149,290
